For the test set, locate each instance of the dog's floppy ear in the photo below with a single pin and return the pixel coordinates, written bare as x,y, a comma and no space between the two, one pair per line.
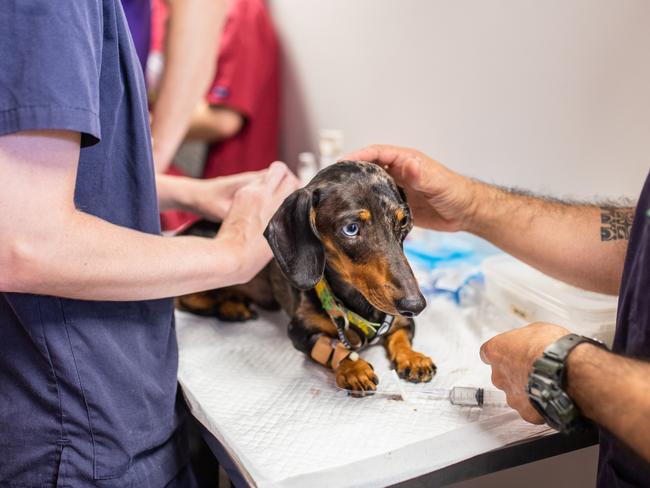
293,240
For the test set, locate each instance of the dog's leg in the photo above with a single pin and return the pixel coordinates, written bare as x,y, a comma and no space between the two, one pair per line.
203,303
225,304
313,333
231,304
234,307
410,365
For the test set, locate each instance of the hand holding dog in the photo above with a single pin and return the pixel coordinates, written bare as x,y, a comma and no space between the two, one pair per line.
511,356
252,207
439,198
213,197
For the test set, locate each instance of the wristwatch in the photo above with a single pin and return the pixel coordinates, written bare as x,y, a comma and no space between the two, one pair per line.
547,384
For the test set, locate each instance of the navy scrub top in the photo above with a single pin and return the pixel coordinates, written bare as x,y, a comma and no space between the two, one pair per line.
87,389
618,466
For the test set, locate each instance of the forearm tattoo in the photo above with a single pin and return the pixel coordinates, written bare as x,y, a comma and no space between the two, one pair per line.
615,223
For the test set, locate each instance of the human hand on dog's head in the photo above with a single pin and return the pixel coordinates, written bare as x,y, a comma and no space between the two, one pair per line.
439,198
511,356
253,205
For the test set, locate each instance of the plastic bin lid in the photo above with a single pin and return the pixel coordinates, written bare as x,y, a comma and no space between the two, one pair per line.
550,293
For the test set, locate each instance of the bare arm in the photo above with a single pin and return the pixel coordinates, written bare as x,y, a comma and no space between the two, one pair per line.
561,239
213,124
614,392
47,246
611,390
191,54
580,244
210,198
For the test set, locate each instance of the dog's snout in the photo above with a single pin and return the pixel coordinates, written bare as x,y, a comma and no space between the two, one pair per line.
410,306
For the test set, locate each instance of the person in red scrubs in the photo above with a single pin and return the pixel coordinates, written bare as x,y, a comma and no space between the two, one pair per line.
239,117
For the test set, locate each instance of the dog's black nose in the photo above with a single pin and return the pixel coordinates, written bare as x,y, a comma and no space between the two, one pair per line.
411,306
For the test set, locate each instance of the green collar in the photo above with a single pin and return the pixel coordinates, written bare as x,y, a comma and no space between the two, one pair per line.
345,319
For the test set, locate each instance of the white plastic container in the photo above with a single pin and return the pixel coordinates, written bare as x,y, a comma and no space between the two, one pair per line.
522,291
330,146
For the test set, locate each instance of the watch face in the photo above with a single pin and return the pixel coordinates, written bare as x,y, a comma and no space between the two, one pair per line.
564,403
546,381
553,404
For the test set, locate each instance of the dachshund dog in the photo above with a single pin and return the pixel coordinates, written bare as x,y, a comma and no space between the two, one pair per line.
340,274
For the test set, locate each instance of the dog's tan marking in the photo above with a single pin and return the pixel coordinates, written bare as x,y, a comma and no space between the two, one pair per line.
316,319
372,279
312,220
234,311
410,365
399,214
356,376
198,303
364,215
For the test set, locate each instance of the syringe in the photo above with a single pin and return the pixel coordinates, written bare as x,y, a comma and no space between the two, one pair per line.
469,396
462,396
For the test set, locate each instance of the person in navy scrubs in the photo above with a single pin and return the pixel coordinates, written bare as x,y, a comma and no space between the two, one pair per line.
604,249
88,354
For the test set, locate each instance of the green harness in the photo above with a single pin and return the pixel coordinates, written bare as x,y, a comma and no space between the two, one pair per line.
346,320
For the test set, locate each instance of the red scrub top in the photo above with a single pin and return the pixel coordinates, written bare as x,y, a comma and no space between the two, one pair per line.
247,80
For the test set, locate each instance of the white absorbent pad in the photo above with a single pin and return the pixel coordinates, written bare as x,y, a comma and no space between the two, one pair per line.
286,424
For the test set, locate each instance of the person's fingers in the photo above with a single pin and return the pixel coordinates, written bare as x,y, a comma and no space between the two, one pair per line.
368,153
275,174
527,412
383,154
242,178
515,396
497,380
408,167
409,173
510,400
283,190
486,352
288,185
226,186
279,164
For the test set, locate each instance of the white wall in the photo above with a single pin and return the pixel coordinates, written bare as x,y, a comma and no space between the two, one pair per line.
550,95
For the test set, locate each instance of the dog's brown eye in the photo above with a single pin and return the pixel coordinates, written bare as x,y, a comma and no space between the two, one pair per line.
404,221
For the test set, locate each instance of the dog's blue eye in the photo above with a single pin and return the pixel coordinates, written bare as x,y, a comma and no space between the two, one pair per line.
351,230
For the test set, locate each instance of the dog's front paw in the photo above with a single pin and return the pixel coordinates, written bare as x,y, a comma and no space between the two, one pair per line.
357,376
414,366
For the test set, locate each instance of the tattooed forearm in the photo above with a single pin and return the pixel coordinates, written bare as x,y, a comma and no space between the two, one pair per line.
615,223
616,216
